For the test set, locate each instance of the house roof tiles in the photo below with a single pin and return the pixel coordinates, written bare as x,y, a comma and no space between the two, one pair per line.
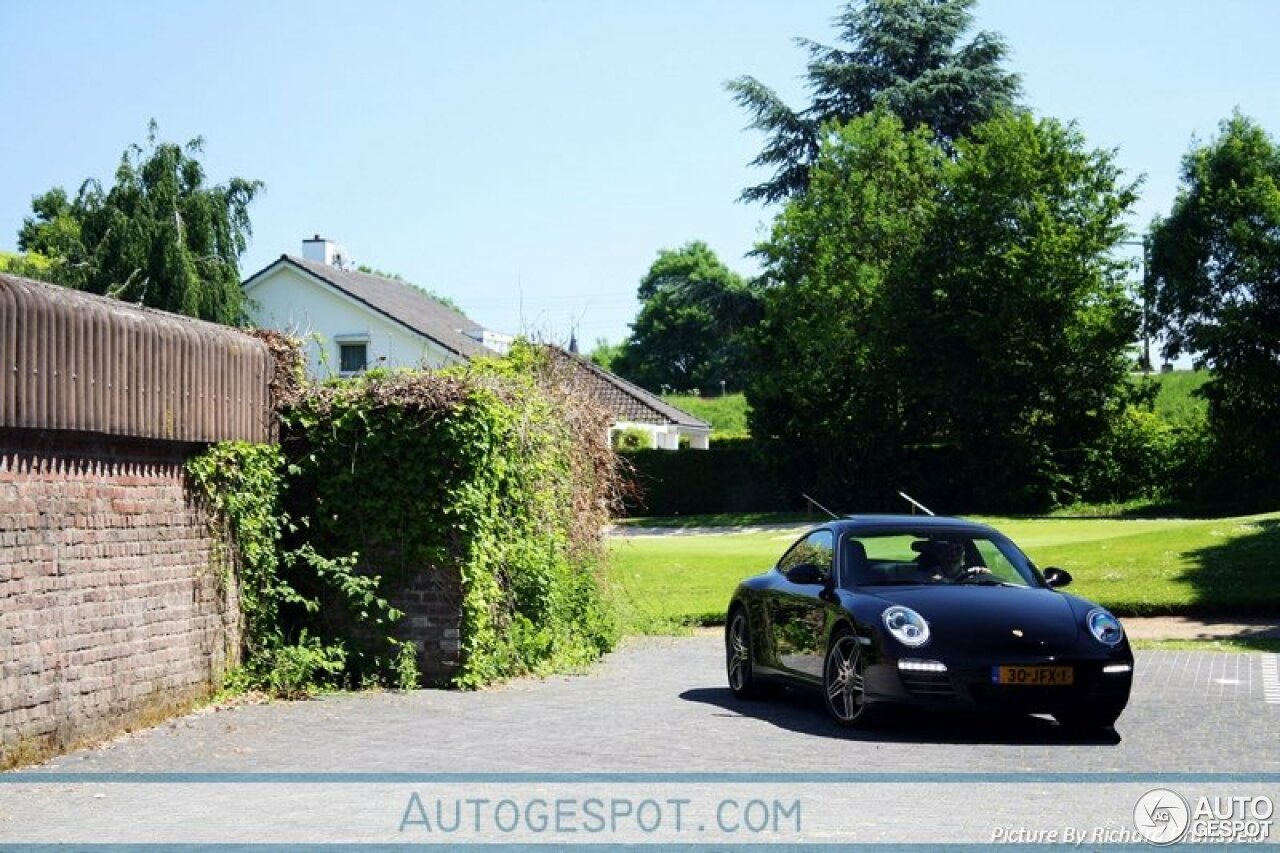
400,301
627,402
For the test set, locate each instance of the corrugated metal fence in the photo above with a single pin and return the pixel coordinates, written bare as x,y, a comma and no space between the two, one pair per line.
75,361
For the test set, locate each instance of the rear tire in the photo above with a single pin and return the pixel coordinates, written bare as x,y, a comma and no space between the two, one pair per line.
739,661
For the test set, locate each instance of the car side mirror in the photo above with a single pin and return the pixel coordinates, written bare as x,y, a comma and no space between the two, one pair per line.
806,573
1056,577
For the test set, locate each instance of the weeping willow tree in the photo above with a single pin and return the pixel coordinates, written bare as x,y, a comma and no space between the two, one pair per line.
159,236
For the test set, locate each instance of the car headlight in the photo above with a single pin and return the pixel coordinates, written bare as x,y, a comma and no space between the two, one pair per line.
1104,627
907,626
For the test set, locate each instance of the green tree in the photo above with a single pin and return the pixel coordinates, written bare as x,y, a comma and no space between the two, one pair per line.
30,265
822,388
689,331
605,354
158,237
949,320
1016,331
1215,260
902,56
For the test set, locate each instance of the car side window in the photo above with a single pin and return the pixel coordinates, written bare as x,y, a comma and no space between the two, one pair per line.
817,548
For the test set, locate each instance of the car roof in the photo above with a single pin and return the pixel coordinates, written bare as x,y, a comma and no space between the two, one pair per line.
870,523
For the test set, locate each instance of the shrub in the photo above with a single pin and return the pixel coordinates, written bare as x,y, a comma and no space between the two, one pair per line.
284,652
631,438
493,472
1135,459
493,475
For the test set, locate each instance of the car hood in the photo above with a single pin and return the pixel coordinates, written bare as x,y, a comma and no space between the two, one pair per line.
969,614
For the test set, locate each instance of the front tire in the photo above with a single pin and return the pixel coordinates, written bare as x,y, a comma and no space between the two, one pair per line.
739,663
843,681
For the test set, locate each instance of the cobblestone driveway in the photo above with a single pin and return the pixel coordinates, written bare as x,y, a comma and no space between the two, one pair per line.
660,705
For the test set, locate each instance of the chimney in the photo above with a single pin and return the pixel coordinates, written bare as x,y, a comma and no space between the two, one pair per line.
324,251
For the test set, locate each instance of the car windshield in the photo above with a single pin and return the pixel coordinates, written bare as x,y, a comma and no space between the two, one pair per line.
935,557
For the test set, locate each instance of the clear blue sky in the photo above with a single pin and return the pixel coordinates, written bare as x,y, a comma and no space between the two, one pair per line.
529,159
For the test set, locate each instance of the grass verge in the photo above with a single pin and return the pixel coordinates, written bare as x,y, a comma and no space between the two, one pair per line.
1137,567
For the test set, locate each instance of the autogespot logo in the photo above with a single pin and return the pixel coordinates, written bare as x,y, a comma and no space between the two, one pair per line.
1161,816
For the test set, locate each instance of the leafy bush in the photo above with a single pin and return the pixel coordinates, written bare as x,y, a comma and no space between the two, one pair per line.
296,670
492,474
1135,459
285,649
631,438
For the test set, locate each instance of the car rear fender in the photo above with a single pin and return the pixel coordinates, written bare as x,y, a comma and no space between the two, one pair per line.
738,605
756,628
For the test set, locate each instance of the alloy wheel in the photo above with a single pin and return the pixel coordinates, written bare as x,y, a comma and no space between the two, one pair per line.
738,654
843,680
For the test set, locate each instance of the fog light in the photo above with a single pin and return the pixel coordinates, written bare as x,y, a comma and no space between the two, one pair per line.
922,665
1117,668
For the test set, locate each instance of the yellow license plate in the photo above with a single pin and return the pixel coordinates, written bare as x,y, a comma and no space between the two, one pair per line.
1036,676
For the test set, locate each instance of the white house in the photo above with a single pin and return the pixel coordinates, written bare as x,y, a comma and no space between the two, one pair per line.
351,321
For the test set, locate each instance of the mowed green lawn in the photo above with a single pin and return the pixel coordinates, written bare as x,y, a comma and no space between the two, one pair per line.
1227,566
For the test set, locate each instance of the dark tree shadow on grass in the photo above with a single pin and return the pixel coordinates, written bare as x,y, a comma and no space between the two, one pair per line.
1240,576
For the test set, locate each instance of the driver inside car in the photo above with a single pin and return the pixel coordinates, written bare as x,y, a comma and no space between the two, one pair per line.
943,561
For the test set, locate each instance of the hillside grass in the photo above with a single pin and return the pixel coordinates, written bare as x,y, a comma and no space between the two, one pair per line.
727,415
1189,567
1175,401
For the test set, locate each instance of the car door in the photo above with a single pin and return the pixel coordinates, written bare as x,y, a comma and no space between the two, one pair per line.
797,611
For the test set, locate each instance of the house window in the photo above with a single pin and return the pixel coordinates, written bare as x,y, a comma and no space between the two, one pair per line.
353,356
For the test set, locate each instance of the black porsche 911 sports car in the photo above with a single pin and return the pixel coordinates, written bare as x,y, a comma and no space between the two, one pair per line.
926,611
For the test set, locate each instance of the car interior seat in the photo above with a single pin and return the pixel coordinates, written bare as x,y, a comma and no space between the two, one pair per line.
856,566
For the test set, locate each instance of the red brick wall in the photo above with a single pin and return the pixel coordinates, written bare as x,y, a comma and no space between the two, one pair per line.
116,604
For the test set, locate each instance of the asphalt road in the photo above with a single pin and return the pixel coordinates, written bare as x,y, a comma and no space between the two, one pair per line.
660,706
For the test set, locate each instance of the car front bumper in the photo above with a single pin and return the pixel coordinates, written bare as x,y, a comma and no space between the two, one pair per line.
973,683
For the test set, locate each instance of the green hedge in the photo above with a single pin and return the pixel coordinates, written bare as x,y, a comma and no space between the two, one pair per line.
729,477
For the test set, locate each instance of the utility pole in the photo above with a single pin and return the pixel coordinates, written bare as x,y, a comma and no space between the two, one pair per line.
1148,286
1144,291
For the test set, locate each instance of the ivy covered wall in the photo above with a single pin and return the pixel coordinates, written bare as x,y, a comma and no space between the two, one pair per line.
441,527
